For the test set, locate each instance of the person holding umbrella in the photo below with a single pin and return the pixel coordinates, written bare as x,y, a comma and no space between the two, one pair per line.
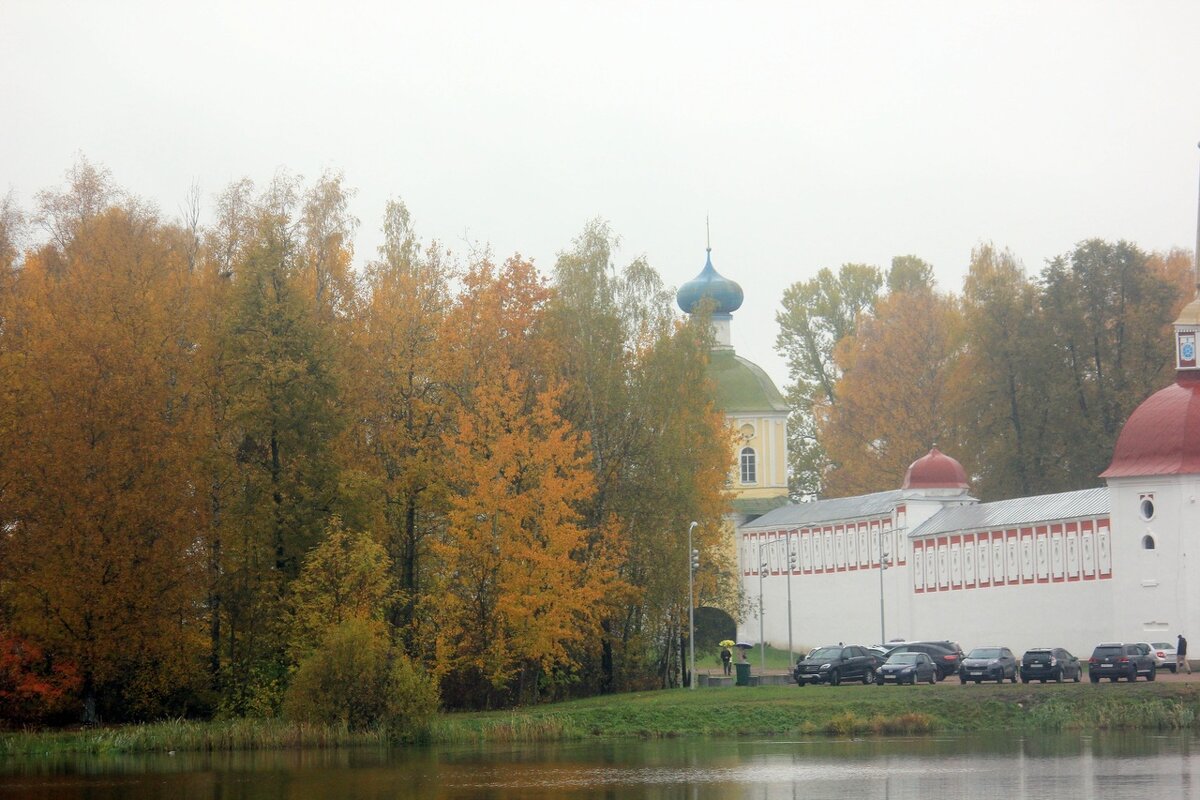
726,655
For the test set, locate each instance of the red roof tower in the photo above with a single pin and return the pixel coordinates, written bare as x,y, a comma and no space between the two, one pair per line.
1162,435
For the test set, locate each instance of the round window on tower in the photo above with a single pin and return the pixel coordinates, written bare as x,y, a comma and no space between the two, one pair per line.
1146,509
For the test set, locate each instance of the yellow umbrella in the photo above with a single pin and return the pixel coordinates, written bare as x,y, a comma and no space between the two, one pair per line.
726,643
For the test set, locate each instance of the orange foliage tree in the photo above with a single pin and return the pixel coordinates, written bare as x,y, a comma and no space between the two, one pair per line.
100,506
517,584
896,396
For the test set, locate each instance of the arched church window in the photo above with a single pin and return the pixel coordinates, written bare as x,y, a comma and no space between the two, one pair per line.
1147,542
749,468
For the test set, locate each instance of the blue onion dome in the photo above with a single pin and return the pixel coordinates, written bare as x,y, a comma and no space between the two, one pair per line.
726,293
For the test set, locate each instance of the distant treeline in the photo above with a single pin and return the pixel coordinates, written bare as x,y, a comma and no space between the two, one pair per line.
1026,380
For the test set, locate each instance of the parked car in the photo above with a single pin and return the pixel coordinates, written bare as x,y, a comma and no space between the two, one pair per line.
946,655
1049,663
906,667
988,664
1164,654
1116,660
837,663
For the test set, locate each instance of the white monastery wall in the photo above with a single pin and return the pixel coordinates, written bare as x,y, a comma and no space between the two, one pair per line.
1065,583
835,583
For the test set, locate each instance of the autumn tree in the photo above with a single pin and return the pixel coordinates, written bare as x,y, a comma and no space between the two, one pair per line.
346,576
909,274
97,476
90,191
896,395
634,381
401,398
816,315
34,686
281,421
683,472
326,247
1007,380
1107,320
520,583
12,234
348,671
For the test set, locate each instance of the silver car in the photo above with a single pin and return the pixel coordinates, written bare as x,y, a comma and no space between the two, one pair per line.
1164,654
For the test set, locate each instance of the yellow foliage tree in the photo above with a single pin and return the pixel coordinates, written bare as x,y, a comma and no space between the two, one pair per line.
401,399
346,576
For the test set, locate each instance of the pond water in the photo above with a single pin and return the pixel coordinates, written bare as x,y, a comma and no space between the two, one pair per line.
1066,767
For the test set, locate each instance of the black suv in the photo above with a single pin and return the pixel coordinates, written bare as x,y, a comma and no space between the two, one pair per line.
1049,664
945,655
988,664
1116,660
837,663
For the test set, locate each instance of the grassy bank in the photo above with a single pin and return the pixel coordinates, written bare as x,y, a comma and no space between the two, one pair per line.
186,735
758,711
846,710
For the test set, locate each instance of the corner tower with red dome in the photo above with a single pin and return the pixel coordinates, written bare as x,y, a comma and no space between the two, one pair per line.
1154,486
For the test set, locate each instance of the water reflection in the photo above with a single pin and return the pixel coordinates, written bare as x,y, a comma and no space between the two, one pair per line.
1062,766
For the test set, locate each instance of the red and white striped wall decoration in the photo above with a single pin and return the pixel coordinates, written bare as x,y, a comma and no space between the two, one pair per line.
1060,552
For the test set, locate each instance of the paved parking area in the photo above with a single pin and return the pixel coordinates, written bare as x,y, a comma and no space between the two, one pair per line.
782,676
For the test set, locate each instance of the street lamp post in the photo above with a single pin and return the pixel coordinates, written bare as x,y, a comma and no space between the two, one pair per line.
693,562
791,565
762,642
884,563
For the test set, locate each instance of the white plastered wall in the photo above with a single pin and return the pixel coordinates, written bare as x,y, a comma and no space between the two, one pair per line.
1159,596
1130,593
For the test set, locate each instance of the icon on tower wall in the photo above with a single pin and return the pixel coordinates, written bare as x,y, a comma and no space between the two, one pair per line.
1187,349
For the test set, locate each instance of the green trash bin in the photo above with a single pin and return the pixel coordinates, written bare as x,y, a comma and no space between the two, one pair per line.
743,674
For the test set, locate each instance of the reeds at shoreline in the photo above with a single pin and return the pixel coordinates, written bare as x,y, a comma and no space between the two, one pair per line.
751,711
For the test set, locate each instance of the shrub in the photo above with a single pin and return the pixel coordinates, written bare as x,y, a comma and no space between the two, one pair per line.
33,687
412,701
356,680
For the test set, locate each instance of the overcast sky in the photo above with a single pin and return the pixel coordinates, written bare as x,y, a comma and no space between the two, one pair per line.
811,133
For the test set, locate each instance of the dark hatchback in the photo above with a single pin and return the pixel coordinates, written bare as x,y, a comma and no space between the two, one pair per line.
837,663
909,668
946,655
1116,660
1049,664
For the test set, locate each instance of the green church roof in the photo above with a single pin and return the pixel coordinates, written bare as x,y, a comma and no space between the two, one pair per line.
743,385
